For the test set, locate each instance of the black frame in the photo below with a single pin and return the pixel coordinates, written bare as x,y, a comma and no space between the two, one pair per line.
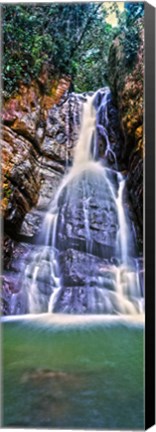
149,215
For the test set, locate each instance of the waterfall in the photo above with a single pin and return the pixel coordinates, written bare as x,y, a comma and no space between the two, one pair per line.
87,215
82,153
67,125
103,121
122,237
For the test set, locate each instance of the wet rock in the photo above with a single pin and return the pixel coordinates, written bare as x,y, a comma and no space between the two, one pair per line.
18,304
9,288
61,138
32,224
93,300
52,148
135,188
108,126
19,257
39,134
79,268
89,217
33,220
62,128
8,248
49,184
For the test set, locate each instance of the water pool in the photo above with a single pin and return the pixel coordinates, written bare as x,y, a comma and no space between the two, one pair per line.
73,372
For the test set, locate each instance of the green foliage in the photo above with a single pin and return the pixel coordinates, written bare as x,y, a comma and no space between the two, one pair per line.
35,34
129,26
92,57
134,11
72,39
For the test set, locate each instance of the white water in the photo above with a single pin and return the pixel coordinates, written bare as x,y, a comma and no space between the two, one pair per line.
102,128
67,125
123,228
124,295
82,154
63,321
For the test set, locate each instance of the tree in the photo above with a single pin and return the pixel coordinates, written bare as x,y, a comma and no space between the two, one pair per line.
71,39
35,34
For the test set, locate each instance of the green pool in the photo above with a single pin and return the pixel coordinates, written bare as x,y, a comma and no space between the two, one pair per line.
72,372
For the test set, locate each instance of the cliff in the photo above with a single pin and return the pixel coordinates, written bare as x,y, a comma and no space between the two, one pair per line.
24,151
127,85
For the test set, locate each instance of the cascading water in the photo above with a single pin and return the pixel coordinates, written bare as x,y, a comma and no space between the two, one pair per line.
103,121
97,228
123,228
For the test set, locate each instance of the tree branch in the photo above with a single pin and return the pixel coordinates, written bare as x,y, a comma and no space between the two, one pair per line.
84,29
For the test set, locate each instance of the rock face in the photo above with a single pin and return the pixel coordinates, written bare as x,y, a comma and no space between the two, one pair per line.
24,161
108,127
21,177
127,87
61,129
90,285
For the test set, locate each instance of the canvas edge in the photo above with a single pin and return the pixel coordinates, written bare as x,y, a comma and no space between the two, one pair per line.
149,215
